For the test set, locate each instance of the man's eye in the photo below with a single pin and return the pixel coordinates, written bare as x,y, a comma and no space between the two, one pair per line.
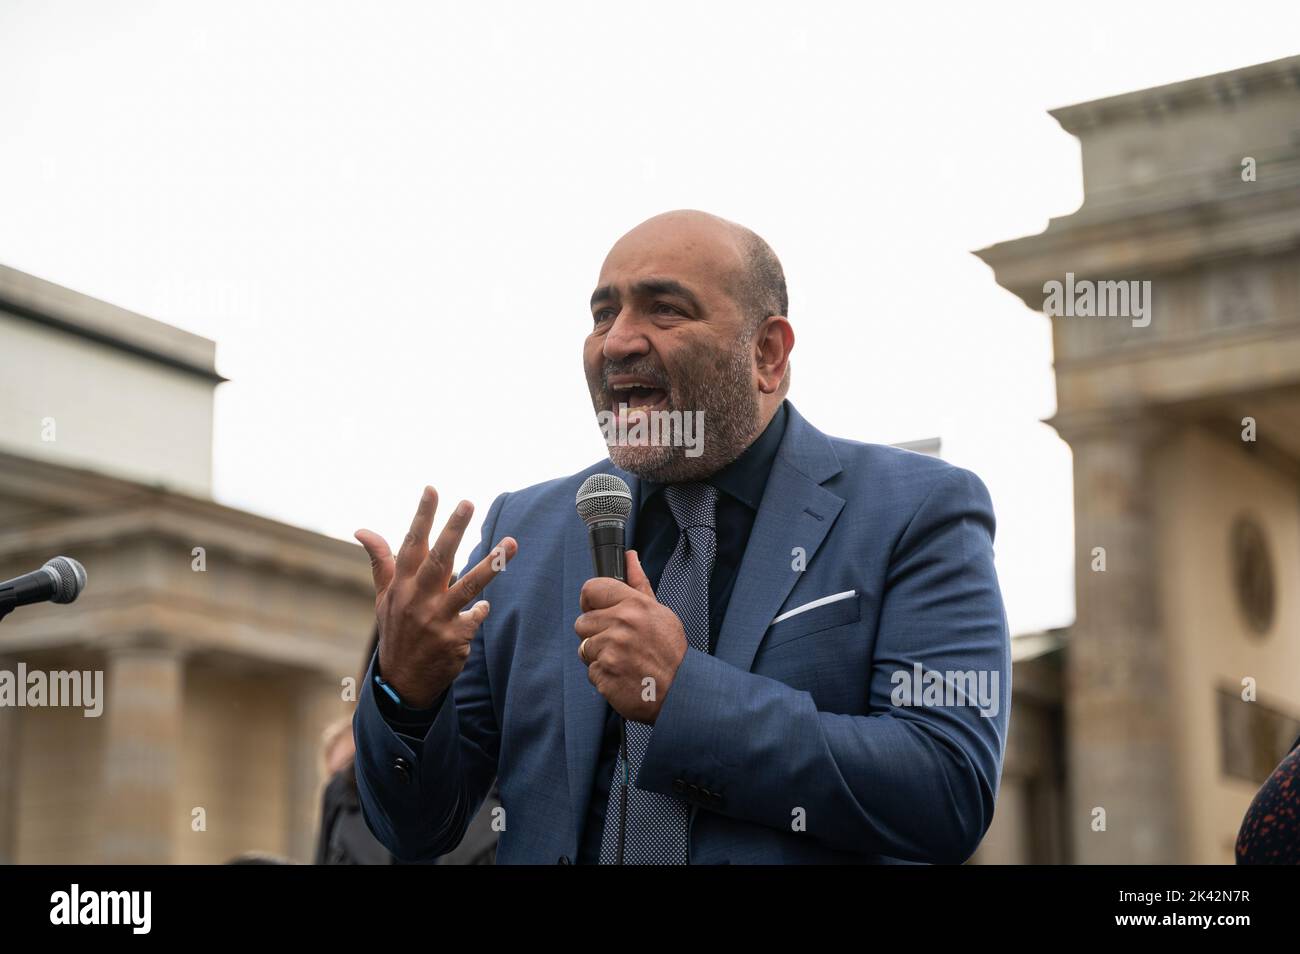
664,304
602,315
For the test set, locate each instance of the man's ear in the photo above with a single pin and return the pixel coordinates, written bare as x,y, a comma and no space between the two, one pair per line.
772,346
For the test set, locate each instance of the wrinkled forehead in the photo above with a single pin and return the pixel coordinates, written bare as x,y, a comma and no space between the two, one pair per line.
702,255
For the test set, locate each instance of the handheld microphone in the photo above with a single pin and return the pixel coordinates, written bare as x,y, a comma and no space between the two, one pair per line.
61,580
604,502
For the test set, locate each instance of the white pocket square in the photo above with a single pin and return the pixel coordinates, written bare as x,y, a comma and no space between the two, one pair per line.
834,598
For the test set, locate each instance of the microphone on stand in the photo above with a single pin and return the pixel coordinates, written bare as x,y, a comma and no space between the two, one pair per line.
61,580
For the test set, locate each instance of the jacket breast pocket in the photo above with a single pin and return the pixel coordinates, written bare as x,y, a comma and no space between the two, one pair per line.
798,622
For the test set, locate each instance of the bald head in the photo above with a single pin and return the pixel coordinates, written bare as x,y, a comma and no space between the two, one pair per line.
689,315
756,280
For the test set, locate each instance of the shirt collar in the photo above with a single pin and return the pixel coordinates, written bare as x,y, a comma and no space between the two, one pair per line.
746,476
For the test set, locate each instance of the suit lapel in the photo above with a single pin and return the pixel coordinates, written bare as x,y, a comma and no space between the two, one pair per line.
795,512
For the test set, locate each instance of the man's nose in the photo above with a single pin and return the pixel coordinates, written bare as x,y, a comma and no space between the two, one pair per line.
626,337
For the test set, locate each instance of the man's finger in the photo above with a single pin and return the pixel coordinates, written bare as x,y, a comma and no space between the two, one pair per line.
469,586
438,566
589,648
636,577
415,547
381,558
475,615
591,623
600,592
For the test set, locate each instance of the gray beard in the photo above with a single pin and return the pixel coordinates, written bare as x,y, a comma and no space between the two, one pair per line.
724,394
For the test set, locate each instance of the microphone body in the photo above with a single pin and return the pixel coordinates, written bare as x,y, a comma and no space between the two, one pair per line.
60,580
609,549
604,502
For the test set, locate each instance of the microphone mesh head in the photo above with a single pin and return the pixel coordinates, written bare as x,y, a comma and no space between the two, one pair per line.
72,578
604,497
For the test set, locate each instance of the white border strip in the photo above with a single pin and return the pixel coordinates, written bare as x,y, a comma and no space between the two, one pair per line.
814,604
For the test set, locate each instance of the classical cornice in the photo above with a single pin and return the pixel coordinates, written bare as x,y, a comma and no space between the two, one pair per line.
189,626
1166,182
73,506
1226,89
34,299
1140,240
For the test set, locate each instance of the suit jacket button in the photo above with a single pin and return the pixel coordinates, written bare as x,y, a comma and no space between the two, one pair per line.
403,768
693,791
715,800
564,860
678,786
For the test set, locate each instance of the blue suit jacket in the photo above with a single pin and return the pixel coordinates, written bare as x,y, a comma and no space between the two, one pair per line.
790,742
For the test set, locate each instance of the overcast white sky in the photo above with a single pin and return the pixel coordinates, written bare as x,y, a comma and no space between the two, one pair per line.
390,216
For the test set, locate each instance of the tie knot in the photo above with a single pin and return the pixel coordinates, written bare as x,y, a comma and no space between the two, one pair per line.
693,505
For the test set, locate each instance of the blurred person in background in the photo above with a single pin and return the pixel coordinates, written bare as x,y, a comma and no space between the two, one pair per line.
344,838
1270,832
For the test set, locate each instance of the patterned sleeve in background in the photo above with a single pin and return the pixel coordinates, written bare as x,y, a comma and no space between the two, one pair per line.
1270,832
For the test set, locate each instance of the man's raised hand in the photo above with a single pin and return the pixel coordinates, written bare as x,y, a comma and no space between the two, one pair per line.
424,630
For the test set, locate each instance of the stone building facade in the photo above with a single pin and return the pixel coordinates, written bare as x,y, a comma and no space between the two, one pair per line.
224,639
1181,676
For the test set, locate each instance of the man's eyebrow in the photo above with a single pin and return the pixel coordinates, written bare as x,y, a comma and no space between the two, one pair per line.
647,287
665,286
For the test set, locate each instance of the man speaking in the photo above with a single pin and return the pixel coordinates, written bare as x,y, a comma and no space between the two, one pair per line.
809,659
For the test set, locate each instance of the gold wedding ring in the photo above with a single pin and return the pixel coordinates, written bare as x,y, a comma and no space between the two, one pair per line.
582,651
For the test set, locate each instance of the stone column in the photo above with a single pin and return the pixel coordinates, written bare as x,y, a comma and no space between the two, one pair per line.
143,709
1118,731
318,702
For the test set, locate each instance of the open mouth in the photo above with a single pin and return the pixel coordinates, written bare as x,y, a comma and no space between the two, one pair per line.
637,397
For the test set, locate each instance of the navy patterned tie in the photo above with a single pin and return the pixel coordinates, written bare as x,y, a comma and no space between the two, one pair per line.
658,826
